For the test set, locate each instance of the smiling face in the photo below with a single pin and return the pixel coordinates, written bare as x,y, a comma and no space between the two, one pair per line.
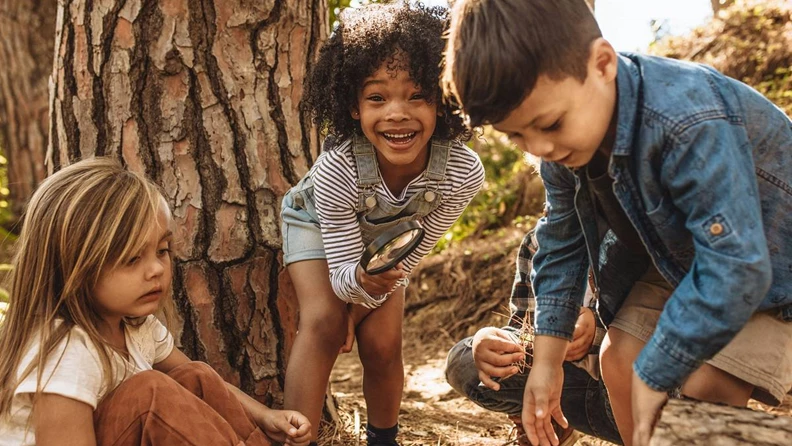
135,287
397,118
566,121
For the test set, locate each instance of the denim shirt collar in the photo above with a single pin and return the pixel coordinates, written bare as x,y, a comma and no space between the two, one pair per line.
628,86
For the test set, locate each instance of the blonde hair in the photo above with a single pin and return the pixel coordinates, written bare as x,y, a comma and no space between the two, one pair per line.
88,216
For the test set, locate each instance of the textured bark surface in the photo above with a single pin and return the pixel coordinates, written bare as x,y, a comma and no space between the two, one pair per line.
686,422
203,96
27,31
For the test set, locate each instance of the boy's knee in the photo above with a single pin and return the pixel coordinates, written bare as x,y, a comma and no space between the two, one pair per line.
619,351
460,371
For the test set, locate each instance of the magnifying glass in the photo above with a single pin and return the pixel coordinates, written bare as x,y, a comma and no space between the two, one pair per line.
391,247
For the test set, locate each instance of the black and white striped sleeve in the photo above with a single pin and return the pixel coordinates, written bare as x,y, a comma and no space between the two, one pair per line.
335,190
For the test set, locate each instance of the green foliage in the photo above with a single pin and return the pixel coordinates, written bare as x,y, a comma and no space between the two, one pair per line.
504,166
6,215
335,8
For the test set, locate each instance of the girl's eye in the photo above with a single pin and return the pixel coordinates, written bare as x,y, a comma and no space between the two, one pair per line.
417,97
164,249
553,127
375,98
133,260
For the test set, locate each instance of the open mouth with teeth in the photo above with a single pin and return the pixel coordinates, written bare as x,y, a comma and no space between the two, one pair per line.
399,138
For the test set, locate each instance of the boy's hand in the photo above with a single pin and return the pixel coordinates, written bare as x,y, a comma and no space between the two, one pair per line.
286,426
583,337
541,402
382,283
494,352
647,404
355,315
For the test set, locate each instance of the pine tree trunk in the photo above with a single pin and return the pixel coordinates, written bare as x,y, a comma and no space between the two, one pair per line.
203,96
27,31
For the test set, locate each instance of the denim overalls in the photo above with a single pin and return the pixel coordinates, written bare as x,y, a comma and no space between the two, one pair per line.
375,215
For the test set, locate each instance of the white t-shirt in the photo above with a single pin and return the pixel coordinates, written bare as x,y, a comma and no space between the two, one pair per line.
79,374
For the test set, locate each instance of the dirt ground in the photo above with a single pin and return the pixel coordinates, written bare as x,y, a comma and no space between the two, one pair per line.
445,302
451,295
432,413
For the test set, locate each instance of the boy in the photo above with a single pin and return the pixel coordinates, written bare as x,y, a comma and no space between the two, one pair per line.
691,170
473,363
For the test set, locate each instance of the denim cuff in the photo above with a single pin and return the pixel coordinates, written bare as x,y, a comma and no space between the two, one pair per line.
663,367
556,317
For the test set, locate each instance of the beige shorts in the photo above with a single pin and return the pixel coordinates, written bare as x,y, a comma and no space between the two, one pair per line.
760,354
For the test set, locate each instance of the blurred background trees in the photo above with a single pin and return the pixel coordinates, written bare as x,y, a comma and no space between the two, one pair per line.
27,37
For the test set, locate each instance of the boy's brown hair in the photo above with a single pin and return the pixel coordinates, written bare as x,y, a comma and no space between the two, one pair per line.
497,49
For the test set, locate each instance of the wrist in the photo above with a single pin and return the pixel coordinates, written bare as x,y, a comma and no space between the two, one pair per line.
549,350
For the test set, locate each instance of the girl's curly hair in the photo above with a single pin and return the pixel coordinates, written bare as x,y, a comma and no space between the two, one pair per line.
365,39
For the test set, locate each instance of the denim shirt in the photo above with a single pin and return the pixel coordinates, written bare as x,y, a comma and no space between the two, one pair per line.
702,166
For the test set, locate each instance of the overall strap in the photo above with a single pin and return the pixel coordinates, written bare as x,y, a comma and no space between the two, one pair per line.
368,173
438,160
366,161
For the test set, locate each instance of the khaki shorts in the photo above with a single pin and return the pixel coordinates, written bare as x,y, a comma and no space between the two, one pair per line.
760,354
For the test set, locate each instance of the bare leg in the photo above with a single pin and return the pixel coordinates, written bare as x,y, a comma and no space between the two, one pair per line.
380,346
321,332
619,351
712,384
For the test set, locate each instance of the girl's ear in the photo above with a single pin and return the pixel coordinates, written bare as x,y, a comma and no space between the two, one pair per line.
355,114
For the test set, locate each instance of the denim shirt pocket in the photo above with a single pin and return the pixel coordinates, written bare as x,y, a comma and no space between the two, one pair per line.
670,226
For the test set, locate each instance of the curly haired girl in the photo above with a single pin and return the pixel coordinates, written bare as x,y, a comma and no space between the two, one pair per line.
392,154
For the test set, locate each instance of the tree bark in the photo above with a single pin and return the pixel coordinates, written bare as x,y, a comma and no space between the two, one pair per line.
27,30
203,96
697,423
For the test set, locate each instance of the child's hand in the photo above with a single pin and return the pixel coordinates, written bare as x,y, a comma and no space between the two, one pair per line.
541,402
286,426
494,352
646,406
355,315
585,329
382,283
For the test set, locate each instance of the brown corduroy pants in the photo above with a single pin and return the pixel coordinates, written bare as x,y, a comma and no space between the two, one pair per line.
189,406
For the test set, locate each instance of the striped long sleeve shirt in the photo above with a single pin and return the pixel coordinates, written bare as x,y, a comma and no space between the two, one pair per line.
336,199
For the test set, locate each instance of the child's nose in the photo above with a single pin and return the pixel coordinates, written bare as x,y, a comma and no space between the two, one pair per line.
156,268
538,148
398,111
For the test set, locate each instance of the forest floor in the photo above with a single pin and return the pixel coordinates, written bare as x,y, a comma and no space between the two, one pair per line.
451,296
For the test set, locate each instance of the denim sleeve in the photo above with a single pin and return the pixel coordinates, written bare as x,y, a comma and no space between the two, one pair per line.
560,265
709,177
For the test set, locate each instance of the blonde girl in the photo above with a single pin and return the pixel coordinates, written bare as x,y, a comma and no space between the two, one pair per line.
84,361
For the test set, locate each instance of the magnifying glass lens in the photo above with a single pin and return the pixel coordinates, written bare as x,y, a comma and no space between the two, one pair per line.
391,247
